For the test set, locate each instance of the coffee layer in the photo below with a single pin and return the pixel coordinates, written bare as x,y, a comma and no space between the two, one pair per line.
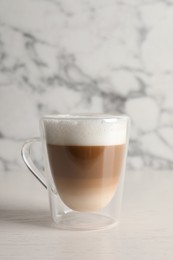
86,194
86,177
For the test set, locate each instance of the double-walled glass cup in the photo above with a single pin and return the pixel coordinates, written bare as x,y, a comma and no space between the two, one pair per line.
84,158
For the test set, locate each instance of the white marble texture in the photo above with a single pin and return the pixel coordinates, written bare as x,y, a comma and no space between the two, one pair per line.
61,56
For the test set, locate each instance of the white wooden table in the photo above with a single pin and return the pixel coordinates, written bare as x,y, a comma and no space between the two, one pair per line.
145,232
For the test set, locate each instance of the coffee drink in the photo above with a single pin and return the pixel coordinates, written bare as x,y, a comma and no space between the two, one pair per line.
86,176
86,159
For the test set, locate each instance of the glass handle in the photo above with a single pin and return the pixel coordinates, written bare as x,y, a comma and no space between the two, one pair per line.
29,163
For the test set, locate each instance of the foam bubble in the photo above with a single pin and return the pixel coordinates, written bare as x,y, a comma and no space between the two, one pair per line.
85,132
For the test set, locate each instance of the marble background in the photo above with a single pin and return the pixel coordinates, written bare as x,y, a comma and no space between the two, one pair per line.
61,56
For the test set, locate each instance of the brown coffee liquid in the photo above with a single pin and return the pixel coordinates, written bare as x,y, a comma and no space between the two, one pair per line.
86,177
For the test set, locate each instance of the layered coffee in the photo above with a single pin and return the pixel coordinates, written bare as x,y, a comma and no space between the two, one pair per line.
86,159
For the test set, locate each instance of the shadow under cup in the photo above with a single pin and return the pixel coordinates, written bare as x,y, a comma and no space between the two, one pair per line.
85,160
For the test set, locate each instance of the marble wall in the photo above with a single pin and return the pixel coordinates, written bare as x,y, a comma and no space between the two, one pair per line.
61,56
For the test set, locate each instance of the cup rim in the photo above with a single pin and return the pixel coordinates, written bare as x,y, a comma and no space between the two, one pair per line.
87,116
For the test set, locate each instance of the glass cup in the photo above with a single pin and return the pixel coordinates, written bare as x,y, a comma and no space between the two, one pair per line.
84,158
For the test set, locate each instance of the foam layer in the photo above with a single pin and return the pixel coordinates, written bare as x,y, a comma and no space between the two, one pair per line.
85,132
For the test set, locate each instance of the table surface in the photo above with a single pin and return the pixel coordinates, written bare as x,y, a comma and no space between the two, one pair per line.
145,231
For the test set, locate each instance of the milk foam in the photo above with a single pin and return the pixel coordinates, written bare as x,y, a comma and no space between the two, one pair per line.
85,132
